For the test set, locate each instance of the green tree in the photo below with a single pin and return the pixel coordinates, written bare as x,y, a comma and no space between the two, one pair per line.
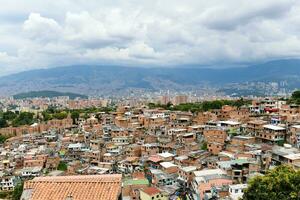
2,139
46,116
204,146
25,118
9,115
60,115
51,110
295,98
5,195
241,102
201,106
281,183
152,105
75,116
17,193
86,116
62,166
296,94
3,123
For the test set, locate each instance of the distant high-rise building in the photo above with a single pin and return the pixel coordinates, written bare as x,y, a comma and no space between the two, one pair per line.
180,99
164,99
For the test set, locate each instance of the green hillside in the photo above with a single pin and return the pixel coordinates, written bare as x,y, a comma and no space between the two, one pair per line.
48,94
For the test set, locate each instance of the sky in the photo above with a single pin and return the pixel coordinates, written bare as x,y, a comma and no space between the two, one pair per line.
47,33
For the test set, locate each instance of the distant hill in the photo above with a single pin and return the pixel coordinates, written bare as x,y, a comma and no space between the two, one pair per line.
90,80
48,94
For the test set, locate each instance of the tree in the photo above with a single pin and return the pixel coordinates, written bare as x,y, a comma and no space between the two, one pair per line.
201,106
295,98
5,195
204,146
62,166
281,183
3,123
25,118
240,102
2,139
46,116
296,94
152,105
9,115
17,193
86,116
51,109
60,115
75,116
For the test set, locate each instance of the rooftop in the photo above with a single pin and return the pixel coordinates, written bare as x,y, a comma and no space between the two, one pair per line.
293,156
189,168
238,186
166,155
136,182
167,164
258,122
273,127
242,137
181,158
206,172
155,158
151,191
77,187
296,126
230,122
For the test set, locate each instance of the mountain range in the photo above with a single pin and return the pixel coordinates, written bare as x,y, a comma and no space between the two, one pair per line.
104,80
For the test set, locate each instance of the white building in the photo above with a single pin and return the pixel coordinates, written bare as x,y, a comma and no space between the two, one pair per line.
31,171
8,183
237,191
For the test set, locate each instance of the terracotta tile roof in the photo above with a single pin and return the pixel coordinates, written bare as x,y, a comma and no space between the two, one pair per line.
132,159
151,191
138,175
92,187
155,158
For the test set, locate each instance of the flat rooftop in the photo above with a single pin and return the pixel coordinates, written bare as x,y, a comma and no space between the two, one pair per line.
273,127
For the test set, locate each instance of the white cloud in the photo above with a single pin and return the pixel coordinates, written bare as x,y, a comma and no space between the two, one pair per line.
41,28
153,32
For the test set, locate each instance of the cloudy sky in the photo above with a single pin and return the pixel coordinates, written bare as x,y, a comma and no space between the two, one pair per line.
47,33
